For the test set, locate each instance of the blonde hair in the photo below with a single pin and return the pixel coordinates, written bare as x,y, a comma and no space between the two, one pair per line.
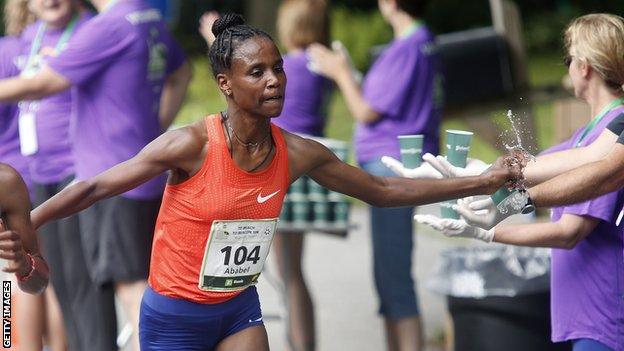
598,39
17,16
303,22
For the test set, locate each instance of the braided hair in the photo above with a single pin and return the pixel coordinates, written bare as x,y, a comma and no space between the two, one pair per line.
230,31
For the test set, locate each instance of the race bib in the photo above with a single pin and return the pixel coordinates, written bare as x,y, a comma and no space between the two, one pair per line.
235,254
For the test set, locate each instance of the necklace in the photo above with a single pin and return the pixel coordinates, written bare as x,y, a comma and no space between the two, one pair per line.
228,129
248,145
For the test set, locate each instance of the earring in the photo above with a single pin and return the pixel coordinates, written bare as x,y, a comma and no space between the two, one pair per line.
228,92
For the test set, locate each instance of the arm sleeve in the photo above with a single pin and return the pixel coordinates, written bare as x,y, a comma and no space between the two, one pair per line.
93,48
617,125
389,82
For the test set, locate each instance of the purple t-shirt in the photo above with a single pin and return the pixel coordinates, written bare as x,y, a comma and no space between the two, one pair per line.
118,62
10,154
587,282
53,160
306,95
402,85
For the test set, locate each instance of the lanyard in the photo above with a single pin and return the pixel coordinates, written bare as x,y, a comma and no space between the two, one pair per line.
598,118
110,5
36,45
416,24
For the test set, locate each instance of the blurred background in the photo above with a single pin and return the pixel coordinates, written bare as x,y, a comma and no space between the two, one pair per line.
359,25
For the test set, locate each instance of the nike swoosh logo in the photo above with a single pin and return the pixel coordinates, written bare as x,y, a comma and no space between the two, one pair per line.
262,199
255,320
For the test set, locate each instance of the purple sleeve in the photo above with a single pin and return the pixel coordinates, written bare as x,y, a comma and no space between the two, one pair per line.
389,81
95,46
556,148
603,207
566,145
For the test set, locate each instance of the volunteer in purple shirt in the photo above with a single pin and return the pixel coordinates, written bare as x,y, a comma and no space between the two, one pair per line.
88,312
10,47
587,274
398,96
130,78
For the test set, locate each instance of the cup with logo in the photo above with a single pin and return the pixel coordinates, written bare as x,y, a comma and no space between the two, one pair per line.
411,150
457,148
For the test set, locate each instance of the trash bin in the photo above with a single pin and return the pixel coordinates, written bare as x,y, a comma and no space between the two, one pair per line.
498,297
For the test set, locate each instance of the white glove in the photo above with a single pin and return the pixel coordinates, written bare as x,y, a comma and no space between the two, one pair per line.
455,228
486,214
473,167
424,171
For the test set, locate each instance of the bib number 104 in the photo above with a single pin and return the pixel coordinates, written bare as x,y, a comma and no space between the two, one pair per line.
241,255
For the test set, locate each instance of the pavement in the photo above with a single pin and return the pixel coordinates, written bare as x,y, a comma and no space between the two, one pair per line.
340,277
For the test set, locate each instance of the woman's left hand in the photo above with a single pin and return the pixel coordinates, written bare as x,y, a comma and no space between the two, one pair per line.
329,63
11,250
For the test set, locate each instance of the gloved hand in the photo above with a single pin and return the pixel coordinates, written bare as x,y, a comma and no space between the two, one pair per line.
424,171
486,214
455,228
474,167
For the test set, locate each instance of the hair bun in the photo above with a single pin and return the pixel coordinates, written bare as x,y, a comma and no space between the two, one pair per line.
226,21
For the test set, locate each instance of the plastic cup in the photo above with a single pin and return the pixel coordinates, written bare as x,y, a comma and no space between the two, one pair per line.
457,146
411,149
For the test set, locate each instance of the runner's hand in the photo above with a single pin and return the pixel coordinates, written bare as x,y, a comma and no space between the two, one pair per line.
424,171
455,228
11,250
485,213
474,167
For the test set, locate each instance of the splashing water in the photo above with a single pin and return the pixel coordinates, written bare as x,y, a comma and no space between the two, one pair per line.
517,154
516,201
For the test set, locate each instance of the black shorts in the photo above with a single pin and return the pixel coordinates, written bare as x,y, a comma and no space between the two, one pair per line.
117,238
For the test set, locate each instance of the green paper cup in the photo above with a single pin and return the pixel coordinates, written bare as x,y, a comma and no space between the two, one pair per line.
501,194
321,213
446,210
411,149
506,199
341,214
457,146
285,215
316,192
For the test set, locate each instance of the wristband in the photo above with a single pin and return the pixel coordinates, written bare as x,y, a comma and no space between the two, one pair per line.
32,269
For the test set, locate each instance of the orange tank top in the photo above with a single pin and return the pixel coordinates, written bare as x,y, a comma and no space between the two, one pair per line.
220,191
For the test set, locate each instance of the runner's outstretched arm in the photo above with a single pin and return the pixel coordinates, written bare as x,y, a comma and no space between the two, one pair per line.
583,183
312,158
174,150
